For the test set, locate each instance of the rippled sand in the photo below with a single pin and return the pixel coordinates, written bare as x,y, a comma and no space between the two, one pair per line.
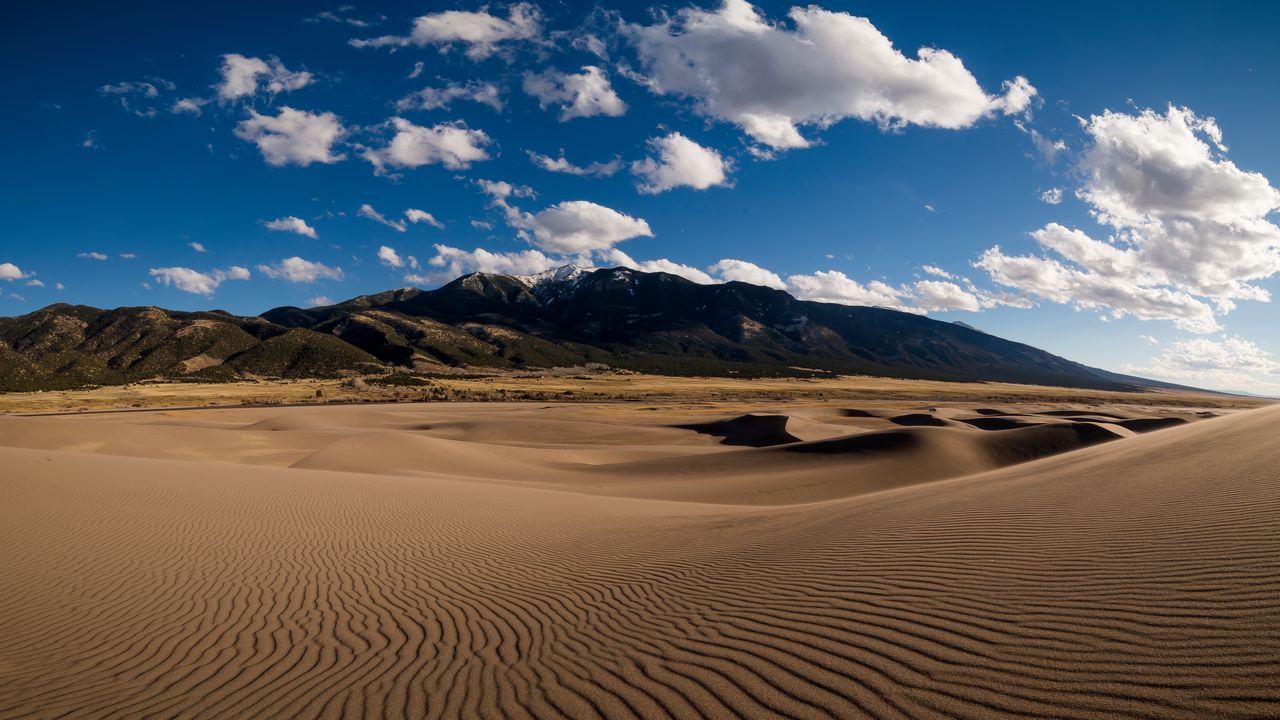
621,561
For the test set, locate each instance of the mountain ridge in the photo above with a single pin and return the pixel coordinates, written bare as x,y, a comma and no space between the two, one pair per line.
569,316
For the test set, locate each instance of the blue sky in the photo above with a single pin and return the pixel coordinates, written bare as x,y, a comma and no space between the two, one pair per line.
816,151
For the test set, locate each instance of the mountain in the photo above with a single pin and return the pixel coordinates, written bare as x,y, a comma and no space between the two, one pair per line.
649,322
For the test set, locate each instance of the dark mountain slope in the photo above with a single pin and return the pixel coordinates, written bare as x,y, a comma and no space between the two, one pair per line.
651,322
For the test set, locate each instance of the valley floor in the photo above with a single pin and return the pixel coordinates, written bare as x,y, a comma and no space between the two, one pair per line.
976,557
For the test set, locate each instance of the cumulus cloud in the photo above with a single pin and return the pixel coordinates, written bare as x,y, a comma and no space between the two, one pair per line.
923,296
561,165
389,257
320,301
454,262
1052,196
936,271
743,271
92,256
33,282
416,216
770,79
10,272
616,257
1189,229
575,227
583,94
939,295
298,270
189,105
293,137
366,210
833,286
483,34
679,162
1230,363
198,247
196,282
245,76
433,98
292,224
453,145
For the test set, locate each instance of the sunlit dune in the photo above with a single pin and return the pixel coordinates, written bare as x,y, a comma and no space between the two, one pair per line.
497,560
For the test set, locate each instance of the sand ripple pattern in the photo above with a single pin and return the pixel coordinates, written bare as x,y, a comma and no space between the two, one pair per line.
1137,579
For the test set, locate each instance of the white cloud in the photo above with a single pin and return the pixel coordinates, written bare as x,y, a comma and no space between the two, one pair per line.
416,71
195,282
618,258
1052,196
293,136
128,256
1190,229
680,162
1049,150
198,247
1149,339
584,94
366,210
92,256
294,225
416,216
936,271
138,98
580,226
453,145
320,301
16,296
191,105
35,283
573,227
298,270
1231,363
454,262
742,271
769,78
244,76
501,190
939,295
442,97
483,34
561,165
922,296
343,15
389,257
930,208
834,286
9,271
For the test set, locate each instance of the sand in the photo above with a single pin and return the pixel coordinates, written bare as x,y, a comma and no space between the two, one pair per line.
625,560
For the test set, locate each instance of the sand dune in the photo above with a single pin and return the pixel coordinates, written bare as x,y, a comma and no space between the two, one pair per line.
600,561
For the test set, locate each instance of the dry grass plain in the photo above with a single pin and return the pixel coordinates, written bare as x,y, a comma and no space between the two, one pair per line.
586,387
862,548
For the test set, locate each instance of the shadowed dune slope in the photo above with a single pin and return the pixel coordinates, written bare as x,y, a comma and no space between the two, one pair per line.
1138,578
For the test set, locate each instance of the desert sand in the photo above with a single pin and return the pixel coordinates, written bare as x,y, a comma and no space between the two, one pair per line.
823,560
